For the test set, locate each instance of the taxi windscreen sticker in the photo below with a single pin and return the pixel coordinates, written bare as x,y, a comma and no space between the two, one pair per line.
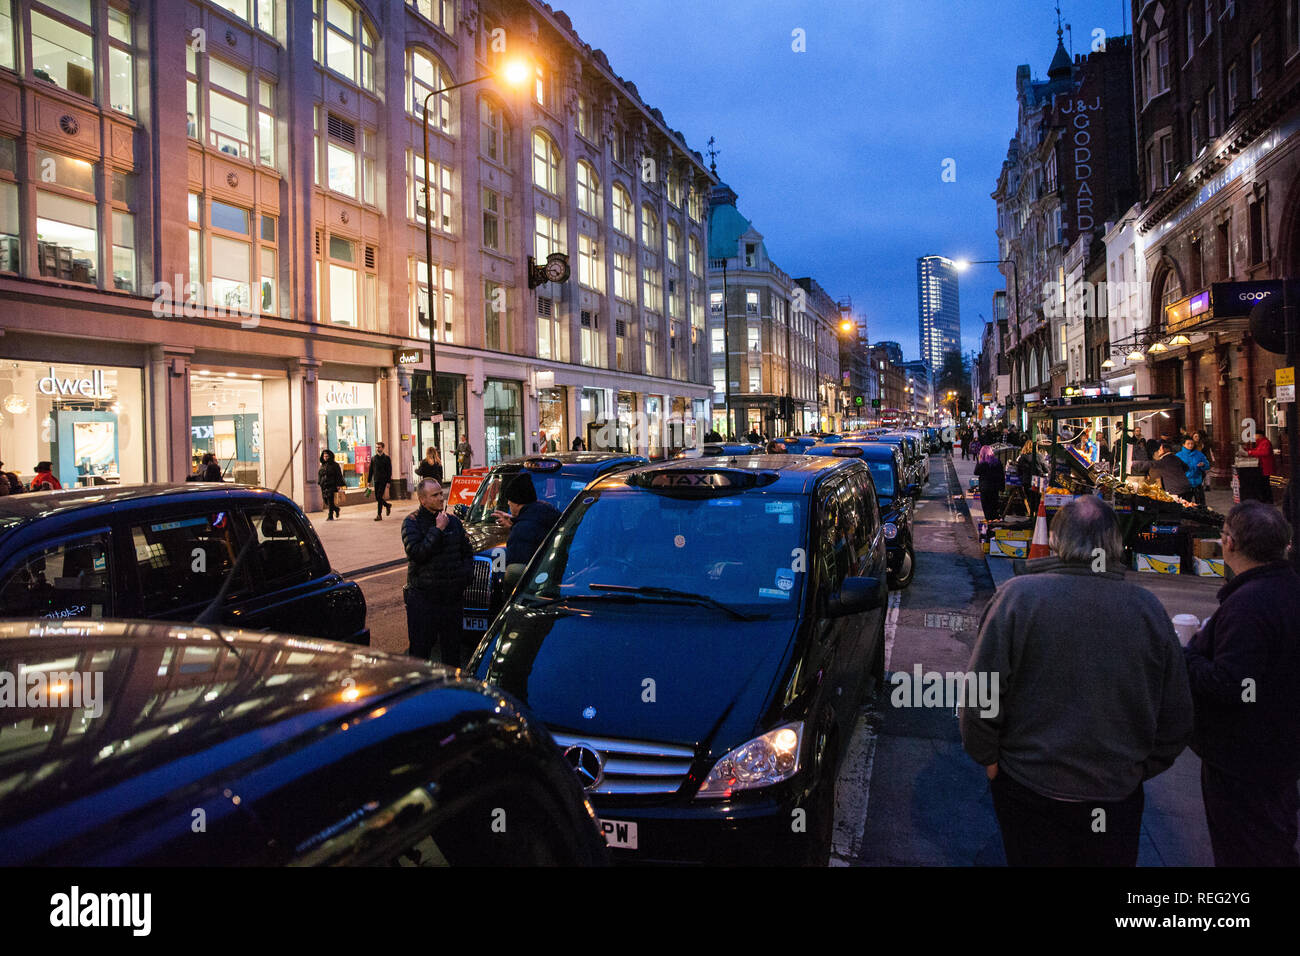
784,579
774,593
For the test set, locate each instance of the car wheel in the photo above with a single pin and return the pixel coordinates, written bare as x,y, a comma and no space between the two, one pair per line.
906,570
821,812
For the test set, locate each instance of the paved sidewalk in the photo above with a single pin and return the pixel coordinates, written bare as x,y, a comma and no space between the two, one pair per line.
356,543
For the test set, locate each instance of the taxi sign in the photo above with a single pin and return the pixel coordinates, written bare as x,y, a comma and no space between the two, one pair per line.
542,464
1285,379
847,451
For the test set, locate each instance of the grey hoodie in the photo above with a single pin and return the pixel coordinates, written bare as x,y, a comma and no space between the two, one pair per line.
1092,689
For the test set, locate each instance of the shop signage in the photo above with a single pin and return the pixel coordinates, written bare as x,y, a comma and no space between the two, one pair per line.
405,357
1185,312
1236,299
92,387
1286,384
342,396
546,379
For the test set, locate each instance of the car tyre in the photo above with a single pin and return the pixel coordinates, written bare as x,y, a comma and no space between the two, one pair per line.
816,850
906,570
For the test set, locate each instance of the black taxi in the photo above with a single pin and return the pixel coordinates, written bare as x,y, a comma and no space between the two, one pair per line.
897,500
698,636
556,479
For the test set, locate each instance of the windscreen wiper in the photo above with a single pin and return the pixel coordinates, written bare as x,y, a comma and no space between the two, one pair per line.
673,594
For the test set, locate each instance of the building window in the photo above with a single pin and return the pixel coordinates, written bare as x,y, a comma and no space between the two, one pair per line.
341,167
230,252
651,346
268,261
755,378
494,132
344,288
623,273
1197,134
67,238
63,48
622,220
496,221
1224,244
266,123
588,190
616,147
542,86
496,324
673,250
1209,17
552,333
591,271
694,262
715,303
652,289
440,193
584,121
441,12
546,163
7,55
1292,28
1191,31
649,229
228,108
1212,113
594,352
675,298
121,64
674,188
1167,160
1255,222
349,44
547,239
442,306
751,303
1232,90
1256,68
124,272
1162,64
426,76
695,205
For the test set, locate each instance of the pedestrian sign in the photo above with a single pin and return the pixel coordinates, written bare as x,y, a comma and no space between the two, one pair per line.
1285,379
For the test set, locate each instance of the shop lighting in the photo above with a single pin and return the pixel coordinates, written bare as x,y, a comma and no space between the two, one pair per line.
1180,339
1109,363
1158,347
1136,356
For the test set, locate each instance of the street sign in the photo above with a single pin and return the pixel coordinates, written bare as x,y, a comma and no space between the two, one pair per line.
1236,299
1285,384
408,357
436,419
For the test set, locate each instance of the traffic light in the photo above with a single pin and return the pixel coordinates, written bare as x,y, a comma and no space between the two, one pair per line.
875,403
858,401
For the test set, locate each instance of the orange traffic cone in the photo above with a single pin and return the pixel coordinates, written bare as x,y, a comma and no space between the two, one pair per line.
1038,547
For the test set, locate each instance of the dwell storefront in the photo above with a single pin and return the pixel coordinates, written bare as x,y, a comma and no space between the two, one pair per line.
86,420
227,419
348,425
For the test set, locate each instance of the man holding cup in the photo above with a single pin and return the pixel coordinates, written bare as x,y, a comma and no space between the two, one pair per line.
1244,670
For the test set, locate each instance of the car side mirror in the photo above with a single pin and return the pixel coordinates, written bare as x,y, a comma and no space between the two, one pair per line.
855,596
460,511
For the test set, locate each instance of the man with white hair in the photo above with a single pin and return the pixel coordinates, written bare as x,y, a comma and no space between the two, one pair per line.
1092,698
439,563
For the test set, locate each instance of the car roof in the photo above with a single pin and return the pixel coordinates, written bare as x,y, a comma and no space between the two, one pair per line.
44,504
874,450
796,474
574,458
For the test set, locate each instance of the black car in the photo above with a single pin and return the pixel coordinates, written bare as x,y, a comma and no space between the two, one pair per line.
897,500
177,745
699,635
556,479
162,552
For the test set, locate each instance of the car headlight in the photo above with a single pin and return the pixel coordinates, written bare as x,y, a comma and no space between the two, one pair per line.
761,762
891,530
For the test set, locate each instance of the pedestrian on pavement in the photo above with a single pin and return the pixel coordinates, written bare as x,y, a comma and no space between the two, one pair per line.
1244,668
1171,470
464,454
578,444
379,474
330,479
754,438
1141,461
1028,468
1197,465
439,562
1092,698
44,479
528,519
992,479
430,465
210,469
1256,483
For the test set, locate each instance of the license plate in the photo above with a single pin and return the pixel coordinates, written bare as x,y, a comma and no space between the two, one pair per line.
619,834
474,624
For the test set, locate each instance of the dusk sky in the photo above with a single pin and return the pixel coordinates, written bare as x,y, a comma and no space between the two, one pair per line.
837,152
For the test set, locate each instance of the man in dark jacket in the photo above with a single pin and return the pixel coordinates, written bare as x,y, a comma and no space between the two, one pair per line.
529,520
1086,706
379,474
1244,667
1171,471
439,563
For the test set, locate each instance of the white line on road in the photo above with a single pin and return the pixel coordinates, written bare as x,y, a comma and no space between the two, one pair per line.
375,574
891,623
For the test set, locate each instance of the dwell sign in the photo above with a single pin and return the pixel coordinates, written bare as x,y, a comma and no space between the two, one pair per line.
92,387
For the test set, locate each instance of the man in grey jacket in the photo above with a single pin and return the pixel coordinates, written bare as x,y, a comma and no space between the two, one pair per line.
1092,699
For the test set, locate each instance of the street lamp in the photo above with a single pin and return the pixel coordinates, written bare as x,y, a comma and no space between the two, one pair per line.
515,73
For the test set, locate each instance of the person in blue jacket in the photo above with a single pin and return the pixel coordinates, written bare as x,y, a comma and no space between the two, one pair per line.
1197,465
529,520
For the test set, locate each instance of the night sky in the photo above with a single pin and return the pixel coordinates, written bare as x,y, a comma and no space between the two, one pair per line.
837,152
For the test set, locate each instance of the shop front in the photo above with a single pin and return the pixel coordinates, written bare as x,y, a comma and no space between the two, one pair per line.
503,420
86,420
654,414
594,405
348,426
226,419
552,420
451,399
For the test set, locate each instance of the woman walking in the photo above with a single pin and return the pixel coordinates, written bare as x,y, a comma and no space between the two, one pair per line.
430,465
992,480
330,478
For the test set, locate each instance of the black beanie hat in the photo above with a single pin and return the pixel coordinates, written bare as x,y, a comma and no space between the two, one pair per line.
520,490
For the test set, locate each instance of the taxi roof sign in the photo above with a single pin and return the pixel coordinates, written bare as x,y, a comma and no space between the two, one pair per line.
543,464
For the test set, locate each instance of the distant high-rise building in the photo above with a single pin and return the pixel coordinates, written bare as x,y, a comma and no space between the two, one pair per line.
937,309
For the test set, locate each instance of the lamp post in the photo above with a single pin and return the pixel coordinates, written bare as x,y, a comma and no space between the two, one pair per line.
515,73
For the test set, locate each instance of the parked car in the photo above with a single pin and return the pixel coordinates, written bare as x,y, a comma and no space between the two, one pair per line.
800,444
699,735
897,501
556,479
162,552
182,745
916,464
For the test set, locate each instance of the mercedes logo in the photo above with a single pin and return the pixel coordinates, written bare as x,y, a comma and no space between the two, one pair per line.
586,763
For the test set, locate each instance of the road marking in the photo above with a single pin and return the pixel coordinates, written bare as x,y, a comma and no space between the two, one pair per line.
891,623
375,574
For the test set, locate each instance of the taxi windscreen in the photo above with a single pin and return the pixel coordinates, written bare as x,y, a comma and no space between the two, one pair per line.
882,472
645,540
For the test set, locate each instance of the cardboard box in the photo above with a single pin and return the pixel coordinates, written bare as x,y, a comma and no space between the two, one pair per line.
1210,567
1008,534
1008,548
1207,547
1158,563
1056,501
